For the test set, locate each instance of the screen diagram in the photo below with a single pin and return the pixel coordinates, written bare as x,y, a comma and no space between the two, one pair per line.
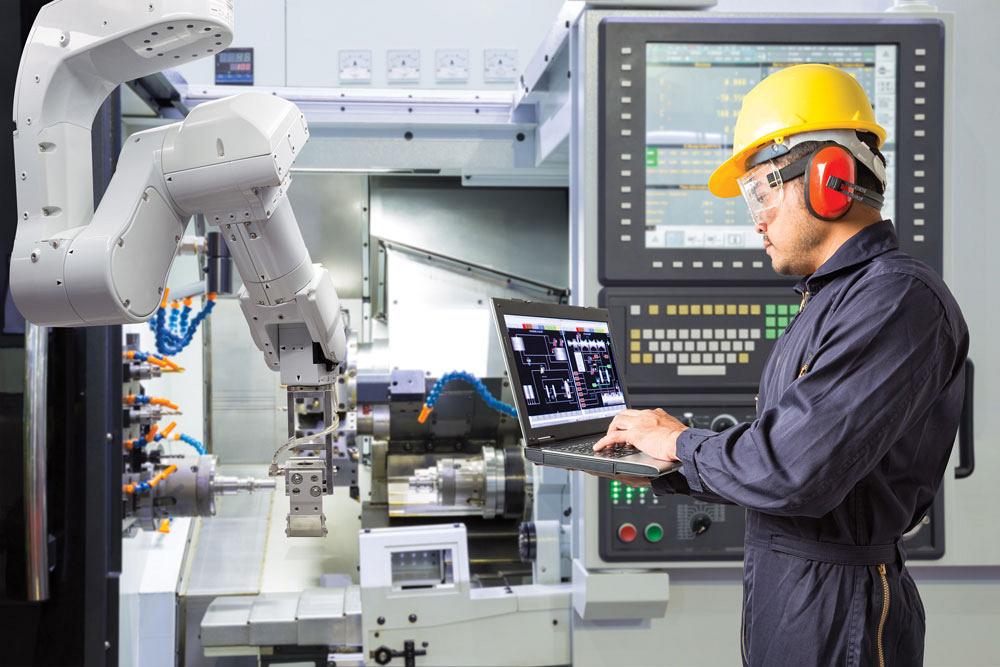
565,369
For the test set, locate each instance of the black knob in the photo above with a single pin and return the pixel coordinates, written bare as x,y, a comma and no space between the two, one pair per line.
700,523
383,655
526,541
723,422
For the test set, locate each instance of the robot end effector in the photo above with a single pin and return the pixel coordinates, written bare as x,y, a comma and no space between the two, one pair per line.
228,160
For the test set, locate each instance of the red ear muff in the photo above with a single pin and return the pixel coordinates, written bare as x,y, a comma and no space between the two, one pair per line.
823,201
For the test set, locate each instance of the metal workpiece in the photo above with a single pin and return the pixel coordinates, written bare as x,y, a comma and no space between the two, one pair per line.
191,491
228,485
488,484
36,344
305,486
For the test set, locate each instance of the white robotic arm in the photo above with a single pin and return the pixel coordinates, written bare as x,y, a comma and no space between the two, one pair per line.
228,160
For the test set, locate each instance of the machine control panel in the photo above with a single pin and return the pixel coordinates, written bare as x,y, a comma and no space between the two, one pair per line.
637,525
709,339
670,92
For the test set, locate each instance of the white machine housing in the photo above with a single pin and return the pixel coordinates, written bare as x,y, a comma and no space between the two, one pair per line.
453,621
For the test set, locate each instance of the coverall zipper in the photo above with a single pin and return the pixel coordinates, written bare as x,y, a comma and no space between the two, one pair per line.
885,614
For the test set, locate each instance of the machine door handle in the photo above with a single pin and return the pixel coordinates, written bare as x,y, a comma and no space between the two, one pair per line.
966,440
383,655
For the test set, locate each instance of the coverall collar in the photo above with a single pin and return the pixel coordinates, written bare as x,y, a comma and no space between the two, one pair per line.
870,242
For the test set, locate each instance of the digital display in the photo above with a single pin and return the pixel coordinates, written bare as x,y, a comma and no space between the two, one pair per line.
693,97
564,369
234,67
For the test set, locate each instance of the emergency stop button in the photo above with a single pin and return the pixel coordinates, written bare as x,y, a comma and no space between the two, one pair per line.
627,532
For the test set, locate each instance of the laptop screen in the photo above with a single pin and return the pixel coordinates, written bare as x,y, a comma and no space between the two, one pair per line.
565,369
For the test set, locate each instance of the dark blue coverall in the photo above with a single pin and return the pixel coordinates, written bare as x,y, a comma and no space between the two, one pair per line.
858,409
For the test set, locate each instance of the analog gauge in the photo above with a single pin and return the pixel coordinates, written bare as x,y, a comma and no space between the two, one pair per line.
355,66
402,66
499,65
451,66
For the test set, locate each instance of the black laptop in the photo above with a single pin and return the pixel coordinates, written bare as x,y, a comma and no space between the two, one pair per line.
567,386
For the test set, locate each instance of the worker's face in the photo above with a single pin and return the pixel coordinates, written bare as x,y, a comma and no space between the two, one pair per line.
791,234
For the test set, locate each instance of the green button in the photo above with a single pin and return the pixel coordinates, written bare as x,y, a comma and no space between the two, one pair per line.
793,310
782,322
652,157
783,309
771,334
769,309
770,321
654,532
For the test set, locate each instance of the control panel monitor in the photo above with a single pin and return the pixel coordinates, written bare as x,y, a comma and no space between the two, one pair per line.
670,93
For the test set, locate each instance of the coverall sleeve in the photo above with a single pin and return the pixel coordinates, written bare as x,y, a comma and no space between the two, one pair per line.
675,483
883,355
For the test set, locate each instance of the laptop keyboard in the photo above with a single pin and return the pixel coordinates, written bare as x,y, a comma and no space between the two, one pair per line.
587,447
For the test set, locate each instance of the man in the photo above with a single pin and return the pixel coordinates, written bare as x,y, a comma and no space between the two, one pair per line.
859,402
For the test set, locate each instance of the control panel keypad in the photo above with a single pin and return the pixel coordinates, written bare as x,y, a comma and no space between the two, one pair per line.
680,340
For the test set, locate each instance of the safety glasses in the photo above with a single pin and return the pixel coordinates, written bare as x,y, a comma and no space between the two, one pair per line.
762,190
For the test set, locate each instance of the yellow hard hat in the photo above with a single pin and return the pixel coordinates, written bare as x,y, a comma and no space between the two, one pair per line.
801,98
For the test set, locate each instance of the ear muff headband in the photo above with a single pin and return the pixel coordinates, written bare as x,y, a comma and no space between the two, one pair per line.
829,188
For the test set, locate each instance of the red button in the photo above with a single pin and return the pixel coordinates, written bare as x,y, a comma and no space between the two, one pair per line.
627,532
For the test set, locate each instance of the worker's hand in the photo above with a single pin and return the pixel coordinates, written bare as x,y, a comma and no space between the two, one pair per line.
651,431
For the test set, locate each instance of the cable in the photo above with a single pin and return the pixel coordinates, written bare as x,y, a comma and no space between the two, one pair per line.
435,393
304,440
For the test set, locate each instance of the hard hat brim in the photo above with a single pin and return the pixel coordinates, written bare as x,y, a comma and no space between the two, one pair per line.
723,181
